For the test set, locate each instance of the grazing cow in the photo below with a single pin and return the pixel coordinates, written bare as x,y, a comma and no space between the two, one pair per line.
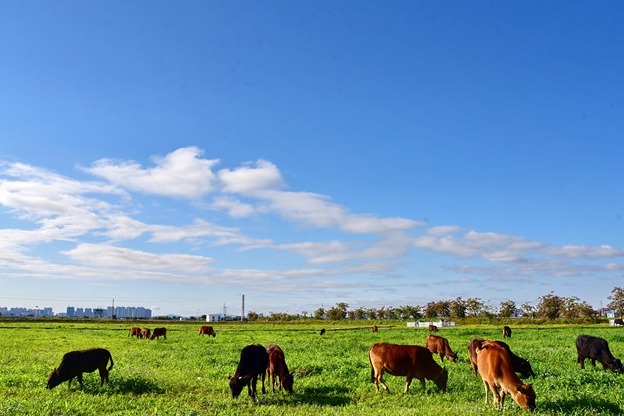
159,332
439,345
618,322
506,332
495,368
277,368
412,361
75,363
519,364
145,333
253,363
596,349
135,332
433,328
323,331
374,328
208,330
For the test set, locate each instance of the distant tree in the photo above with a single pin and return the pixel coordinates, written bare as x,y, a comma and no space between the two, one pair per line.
617,301
474,306
359,313
528,310
304,314
409,312
550,306
507,309
319,313
458,308
336,313
440,309
252,316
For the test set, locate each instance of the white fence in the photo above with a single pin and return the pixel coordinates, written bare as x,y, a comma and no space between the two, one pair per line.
439,324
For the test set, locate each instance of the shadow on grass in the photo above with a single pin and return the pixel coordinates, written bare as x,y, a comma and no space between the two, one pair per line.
322,396
581,405
126,385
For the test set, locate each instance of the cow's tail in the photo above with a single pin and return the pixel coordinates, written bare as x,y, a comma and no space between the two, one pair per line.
372,368
110,356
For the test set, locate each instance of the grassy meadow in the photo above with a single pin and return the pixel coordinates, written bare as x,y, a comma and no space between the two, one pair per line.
187,374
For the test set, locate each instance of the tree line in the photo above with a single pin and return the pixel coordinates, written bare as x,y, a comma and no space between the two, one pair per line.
549,306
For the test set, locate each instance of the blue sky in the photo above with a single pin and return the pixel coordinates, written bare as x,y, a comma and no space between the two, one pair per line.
181,154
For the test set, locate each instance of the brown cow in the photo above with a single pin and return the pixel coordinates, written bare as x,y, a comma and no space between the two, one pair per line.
145,333
277,368
495,368
439,345
433,328
134,332
519,364
75,363
412,361
506,332
374,328
208,330
159,332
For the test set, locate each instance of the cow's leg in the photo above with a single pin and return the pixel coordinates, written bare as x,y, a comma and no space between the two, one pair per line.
69,383
422,383
380,379
581,361
593,363
407,384
262,376
487,388
252,386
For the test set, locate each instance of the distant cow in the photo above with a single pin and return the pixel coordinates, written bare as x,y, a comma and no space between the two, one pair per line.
134,332
145,333
439,345
618,322
253,363
278,369
506,332
75,363
208,330
596,349
498,375
374,328
322,331
412,361
519,364
159,332
433,328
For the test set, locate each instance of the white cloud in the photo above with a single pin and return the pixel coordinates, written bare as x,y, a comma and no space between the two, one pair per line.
250,179
180,174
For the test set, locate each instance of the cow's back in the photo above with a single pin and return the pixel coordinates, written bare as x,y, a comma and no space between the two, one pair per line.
254,359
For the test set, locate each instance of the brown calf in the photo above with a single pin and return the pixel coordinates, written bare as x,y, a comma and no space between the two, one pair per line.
75,363
134,332
439,345
208,330
412,361
278,369
506,332
498,376
145,333
433,328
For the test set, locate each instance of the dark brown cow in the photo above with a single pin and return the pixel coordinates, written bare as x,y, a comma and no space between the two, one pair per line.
278,369
135,332
433,328
374,328
519,364
159,332
412,361
253,363
596,349
322,331
145,333
618,322
498,375
75,363
208,330
506,332
439,345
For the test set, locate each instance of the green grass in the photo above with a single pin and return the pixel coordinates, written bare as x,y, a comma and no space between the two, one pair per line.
187,374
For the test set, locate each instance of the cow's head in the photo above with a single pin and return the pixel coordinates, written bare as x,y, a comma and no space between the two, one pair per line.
53,379
616,366
237,384
525,368
288,382
525,396
441,379
452,356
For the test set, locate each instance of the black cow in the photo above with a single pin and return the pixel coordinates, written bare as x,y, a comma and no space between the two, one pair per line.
75,363
618,322
596,349
253,362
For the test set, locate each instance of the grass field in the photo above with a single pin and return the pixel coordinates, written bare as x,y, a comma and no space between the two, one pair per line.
187,374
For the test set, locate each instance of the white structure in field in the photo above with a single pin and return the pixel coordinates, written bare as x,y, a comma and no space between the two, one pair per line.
439,324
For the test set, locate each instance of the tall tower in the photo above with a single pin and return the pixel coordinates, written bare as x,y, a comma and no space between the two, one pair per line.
243,310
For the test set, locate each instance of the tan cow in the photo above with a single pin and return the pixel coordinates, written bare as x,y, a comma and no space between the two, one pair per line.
498,376
411,361
208,330
135,332
145,333
439,345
